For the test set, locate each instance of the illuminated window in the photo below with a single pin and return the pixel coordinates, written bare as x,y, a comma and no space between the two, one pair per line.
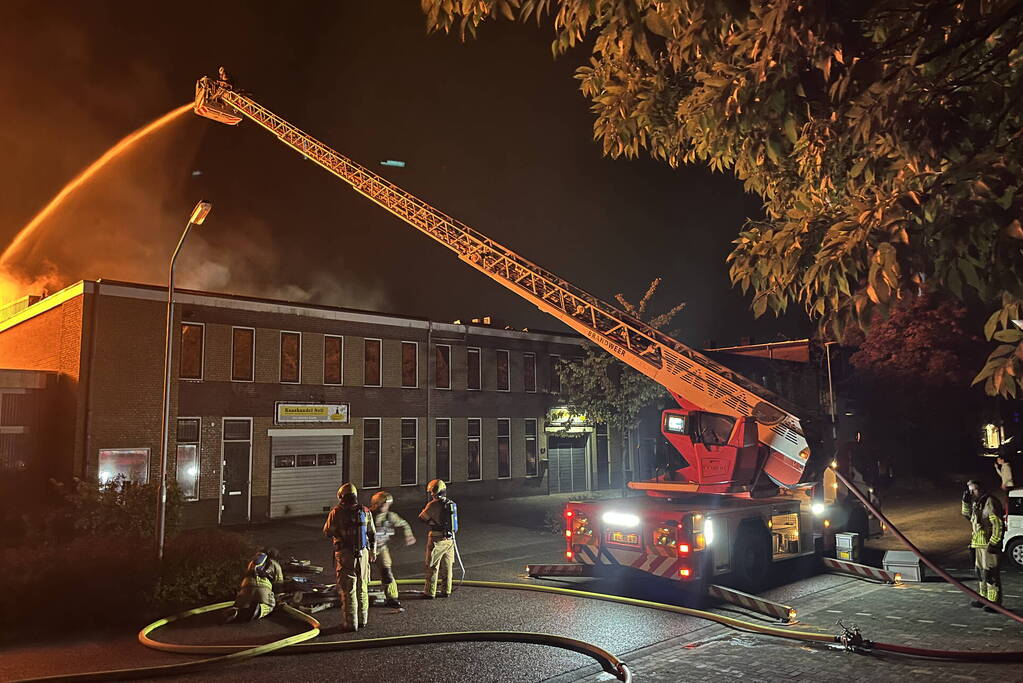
443,448
529,371
123,465
531,457
473,366
371,452
372,363
409,451
504,449
443,369
291,357
242,353
190,363
409,365
333,352
474,465
188,458
503,377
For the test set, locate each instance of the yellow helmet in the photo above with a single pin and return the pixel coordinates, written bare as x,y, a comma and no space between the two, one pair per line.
437,487
380,499
348,491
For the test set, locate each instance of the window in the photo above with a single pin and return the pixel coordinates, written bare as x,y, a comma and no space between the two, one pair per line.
409,451
237,430
188,458
291,363
372,363
326,459
371,452
284,461
443,370
531,460
409,365
123,464
504,449
443,435
472,363
555,375
243,351
503,378
474,466
333,352
190,364
305,460
529,371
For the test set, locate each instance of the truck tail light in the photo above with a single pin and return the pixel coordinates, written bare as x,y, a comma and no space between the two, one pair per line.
683,549
685,572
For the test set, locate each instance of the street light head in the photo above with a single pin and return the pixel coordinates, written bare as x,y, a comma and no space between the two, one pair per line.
199,213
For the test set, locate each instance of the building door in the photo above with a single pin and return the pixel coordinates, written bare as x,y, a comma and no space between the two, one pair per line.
237,472
568,467
307,467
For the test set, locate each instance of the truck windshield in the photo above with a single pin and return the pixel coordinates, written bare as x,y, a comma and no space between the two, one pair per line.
713,429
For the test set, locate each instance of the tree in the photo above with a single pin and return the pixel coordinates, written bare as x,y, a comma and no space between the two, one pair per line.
606,390
885,138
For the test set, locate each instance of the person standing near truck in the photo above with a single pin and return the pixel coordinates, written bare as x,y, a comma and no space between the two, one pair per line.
985,514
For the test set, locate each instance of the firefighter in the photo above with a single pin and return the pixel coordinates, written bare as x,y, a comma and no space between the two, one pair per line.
256,595
350,526
441,515
388,524
985,514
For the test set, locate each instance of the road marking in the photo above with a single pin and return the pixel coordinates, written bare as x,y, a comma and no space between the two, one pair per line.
951,591
888,616
925,621
863,614
510,559
959,625
834,611
1011,596
992,628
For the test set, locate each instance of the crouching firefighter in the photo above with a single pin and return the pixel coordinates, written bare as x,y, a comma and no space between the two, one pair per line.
387,525
350,526
985,514
441,515
256,595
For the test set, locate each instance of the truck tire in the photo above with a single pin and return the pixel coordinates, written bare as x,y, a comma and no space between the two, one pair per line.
1014,551
752,557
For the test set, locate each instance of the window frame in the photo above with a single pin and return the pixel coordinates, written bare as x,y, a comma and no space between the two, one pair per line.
479,368
479,447
533,437
525,374
555,358
415,345
149,456
507,422
280,358
437,348
436,447
202,351
198,449
401,458
380,441
507,369
380,361
340,360
252,362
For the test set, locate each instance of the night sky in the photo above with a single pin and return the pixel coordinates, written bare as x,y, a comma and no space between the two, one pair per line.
494,132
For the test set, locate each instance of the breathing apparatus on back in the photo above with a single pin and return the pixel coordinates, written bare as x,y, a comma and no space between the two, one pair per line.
261,566
438,490
351,519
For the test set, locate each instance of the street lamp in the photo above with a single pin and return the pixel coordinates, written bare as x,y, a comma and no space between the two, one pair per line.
198,216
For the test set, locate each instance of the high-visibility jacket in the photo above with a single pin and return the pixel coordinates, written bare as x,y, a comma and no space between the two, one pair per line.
985,515
388,524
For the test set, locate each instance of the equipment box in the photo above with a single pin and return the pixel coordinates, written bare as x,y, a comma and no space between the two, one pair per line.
905,563
847,547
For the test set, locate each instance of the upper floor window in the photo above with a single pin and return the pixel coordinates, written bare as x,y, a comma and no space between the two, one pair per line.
443,369
473,367
503,376
409,365
529,371
191,361
291,357
242,353
333,352
555,375
372,362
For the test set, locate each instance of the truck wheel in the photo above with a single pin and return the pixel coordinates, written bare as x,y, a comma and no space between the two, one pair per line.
1015,552
752,555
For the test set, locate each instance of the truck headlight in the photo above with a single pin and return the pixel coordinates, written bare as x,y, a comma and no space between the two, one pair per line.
817,509
620,519
708,531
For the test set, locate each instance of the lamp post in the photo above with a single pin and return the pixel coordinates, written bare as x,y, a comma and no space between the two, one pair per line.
198,216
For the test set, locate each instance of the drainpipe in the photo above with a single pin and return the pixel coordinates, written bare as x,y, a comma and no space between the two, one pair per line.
429,419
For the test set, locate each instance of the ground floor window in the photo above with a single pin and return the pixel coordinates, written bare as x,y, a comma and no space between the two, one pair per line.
188,458
371,452
409,451
443,448
504,449
531,458
474,466
124,464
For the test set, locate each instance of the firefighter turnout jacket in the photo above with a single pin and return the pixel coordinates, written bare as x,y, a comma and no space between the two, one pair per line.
985,515
388,524
351,529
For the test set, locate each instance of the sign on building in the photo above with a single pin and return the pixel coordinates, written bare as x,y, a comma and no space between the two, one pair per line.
311,412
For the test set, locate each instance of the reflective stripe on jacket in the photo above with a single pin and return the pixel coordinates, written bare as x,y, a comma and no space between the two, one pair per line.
985,517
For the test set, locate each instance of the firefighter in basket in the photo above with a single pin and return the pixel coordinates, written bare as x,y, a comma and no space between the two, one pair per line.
256,595
388,524
441,515
350,526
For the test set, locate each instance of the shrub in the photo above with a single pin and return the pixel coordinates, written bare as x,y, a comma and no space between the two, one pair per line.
201,567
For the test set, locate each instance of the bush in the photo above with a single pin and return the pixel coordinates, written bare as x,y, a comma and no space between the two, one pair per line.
201,567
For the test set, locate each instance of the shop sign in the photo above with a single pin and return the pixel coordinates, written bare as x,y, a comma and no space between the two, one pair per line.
561,417
311,412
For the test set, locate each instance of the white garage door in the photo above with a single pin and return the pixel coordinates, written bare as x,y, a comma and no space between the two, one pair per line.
305,472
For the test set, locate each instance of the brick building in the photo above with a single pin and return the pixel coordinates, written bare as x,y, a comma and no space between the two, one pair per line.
274,403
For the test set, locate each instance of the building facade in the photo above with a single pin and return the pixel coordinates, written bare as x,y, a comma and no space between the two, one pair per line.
275,403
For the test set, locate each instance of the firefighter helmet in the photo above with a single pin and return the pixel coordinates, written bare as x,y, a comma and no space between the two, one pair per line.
437,487
380,499
347,492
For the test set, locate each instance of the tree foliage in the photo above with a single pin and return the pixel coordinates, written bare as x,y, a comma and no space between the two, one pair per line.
603,388
885,138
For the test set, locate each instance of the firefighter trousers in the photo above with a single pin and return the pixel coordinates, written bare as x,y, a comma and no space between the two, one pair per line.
988,574
352,571
383,563
440,559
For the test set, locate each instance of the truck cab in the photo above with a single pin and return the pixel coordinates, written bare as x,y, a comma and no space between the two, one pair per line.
1014,528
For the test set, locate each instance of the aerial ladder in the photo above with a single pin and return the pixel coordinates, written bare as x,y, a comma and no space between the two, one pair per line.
736,437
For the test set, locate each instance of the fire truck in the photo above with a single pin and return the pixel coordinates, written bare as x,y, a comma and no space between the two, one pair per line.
749,491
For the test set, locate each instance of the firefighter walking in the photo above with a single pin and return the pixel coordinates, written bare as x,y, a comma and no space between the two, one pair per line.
388,524
985,514
441,515
350,526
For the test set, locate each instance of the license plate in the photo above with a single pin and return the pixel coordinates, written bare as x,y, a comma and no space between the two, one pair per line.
624,538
